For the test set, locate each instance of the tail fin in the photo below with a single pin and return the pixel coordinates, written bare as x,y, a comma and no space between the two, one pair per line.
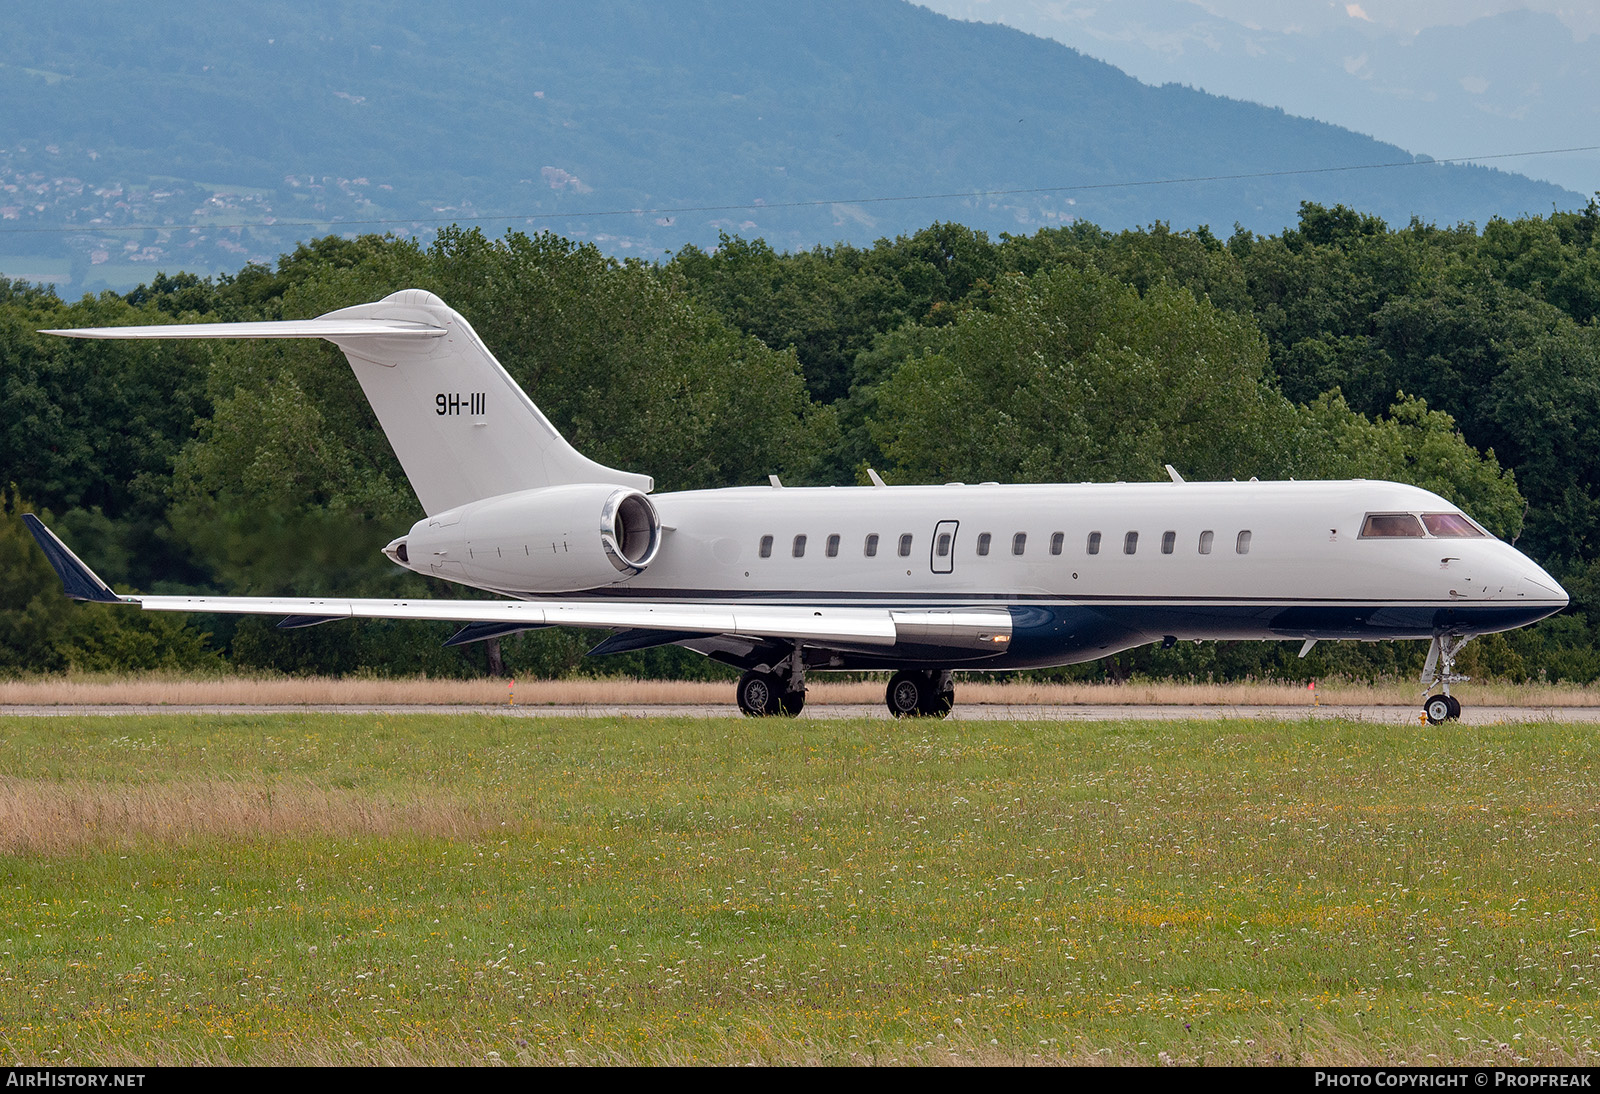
461,427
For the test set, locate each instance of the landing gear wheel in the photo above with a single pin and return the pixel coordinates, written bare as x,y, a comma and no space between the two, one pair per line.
758,694
763,694
791,703
939,704
903,696
1440,671
917,695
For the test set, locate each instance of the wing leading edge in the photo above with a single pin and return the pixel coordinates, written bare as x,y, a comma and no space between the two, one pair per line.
976,628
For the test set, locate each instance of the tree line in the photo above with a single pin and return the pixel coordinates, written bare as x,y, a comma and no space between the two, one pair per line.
1462,360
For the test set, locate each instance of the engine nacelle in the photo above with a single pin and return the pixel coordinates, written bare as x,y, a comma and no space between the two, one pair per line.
557,539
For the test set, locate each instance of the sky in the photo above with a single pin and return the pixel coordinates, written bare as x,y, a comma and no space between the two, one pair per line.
1406,16
1403,16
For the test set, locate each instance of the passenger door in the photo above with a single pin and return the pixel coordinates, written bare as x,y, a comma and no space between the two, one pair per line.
942,557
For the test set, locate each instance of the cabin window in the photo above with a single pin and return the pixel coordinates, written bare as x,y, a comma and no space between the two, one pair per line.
1130,543
942,547
1452,526
1094,543
766,546
871,548
1057,540
984,539
833,545
905,545
799,546
1019,543
1169,540
1391,526
1206,539
1241,546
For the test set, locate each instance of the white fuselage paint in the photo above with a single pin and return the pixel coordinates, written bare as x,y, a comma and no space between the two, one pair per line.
1305,557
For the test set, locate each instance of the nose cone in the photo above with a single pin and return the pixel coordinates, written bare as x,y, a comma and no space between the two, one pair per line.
1539,585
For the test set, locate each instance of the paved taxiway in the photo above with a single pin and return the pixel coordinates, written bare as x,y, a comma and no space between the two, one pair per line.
972,712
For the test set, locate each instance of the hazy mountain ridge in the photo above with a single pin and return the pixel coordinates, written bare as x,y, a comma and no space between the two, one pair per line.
1515,81
387,111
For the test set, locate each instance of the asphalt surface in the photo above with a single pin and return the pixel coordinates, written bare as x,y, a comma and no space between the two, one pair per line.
971,712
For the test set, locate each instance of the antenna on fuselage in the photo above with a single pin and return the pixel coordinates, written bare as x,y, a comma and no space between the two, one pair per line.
1172,472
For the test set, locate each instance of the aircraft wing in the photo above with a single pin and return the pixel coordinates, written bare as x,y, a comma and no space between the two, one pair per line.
848,626
974,628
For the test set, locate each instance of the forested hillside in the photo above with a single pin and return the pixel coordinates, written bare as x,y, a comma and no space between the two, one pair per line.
1463,361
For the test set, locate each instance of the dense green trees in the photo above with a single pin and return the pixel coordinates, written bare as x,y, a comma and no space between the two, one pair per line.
1465,362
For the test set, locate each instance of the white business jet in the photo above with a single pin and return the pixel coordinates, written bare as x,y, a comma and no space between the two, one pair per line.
920,580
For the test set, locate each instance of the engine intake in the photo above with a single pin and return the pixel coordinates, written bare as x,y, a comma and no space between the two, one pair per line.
555,539
630,531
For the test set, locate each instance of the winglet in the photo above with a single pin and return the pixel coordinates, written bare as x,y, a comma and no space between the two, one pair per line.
80,581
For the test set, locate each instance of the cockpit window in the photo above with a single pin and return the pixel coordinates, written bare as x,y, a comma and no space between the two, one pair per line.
1390,526
1452,526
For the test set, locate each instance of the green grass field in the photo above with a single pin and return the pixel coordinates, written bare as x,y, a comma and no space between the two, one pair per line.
468,889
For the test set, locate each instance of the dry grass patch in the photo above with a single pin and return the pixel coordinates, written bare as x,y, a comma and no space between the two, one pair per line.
159,690
321,691
59,817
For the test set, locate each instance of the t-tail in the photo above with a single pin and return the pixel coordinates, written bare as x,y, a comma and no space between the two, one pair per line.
462,428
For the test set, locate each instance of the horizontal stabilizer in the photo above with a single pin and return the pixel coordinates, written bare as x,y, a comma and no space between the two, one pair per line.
289,328
80,581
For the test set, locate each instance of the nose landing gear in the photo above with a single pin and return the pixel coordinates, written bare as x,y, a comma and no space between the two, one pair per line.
1440,669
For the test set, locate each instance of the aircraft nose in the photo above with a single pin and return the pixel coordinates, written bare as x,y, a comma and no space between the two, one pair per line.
1541,586
1519,578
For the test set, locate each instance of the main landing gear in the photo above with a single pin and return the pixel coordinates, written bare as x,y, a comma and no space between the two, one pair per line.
1440,669
781,689
762,694
928,693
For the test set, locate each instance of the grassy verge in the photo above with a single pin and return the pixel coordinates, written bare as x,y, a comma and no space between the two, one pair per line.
457,889
160,689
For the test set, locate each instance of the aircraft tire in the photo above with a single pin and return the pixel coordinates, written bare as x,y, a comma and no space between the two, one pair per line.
904,695
758,694
791,703
1455,707
938,704
1438,710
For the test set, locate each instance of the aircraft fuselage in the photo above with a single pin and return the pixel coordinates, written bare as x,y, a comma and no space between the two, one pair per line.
1084,570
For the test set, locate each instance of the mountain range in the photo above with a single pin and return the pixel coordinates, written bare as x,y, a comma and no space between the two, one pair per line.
1503,82
170,135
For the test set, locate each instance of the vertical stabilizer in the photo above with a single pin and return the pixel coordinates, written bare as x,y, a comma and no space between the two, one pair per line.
461,427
